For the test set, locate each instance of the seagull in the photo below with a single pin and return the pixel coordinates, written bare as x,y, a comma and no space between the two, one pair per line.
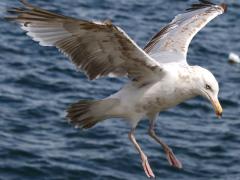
159,75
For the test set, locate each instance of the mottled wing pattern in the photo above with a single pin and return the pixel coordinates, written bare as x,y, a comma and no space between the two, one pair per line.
176,36
97,48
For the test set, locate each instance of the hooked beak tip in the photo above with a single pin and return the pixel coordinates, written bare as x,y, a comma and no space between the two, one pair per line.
219,115
217,107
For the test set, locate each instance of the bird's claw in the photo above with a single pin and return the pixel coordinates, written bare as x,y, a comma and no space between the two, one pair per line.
147,168
173,161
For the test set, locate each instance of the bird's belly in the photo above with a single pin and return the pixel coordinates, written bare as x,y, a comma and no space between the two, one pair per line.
156,104
153,98
161,99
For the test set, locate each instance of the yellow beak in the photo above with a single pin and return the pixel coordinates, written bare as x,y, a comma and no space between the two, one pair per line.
217,107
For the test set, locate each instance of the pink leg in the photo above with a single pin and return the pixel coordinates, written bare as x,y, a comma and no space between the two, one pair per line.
173,161
145,163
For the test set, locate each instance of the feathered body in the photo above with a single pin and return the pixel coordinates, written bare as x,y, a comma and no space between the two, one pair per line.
136,102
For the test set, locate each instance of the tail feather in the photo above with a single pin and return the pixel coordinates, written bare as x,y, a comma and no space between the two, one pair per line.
85,114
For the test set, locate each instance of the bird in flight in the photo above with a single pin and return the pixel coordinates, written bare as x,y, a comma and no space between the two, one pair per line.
160,77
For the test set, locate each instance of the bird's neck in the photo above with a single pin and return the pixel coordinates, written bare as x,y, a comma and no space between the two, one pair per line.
188,80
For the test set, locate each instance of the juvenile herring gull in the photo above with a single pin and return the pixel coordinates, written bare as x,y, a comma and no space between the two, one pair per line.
160,77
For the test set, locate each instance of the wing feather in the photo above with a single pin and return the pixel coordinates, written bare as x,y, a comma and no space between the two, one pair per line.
99,49
174,39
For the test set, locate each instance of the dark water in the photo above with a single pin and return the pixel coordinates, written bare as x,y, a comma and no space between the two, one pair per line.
37,84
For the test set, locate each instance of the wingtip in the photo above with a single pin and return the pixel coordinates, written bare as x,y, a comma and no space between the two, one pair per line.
224,6
206,2
7,18
26,3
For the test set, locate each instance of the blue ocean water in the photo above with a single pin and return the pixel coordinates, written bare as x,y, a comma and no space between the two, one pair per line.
38,83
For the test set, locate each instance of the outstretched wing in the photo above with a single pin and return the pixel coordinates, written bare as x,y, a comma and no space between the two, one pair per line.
172,42
99,49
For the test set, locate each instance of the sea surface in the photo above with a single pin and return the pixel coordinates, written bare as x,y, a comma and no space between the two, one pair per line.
38,83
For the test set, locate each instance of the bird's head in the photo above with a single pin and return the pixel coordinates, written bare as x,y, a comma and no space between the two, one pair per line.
208,88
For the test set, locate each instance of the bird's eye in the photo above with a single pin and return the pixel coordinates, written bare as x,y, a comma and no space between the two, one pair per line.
208,87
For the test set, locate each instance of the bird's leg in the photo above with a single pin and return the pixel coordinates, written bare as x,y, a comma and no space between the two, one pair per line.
145,163
173,161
